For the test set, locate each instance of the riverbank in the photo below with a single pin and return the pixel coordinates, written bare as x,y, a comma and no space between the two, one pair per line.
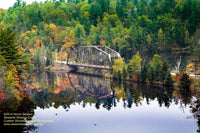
59,67
191,75
62,67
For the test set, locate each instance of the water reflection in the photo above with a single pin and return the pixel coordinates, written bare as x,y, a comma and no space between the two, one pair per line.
91,86
71,87
65,90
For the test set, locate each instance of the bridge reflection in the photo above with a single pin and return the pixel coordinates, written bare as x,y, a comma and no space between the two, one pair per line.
91,86
56,90
63,89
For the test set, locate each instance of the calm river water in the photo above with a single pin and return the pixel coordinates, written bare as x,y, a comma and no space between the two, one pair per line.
76,103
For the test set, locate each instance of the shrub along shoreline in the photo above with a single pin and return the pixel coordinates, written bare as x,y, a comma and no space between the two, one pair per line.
155,71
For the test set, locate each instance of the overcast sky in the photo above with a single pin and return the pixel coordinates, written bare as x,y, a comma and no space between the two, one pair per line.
5,4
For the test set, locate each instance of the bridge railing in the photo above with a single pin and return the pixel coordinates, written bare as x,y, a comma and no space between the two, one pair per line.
92,56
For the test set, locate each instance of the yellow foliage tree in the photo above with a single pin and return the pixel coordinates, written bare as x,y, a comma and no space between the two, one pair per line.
50,30
119,64
134,66
190,67
70,41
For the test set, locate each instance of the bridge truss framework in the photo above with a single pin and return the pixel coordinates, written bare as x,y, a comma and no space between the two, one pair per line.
93,56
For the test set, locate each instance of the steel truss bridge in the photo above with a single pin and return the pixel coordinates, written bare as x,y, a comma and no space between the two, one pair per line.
101,57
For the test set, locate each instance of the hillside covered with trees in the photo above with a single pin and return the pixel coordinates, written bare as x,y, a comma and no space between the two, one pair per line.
127,26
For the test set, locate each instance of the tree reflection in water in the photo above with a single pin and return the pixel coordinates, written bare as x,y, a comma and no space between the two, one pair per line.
64,89
70,88
195,109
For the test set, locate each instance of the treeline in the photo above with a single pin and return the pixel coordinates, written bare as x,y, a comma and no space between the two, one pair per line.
154,71
127,26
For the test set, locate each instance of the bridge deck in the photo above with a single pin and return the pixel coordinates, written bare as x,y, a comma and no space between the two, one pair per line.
61,62
88,65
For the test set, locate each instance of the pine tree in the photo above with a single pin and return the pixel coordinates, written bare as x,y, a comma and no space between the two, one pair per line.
156,64
144,70
135,2
185,81
164,70
104,5
18,3
95,12
8,47
153,3
168,5
120,11
9,50
151,74
168,80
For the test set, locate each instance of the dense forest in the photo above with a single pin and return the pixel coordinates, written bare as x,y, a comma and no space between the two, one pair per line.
127,26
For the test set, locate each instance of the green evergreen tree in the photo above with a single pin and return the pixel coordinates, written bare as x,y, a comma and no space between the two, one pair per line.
185,81
8,47
156,64
104,5
150,74
142,8
91,1
153,3
120,10
11,53
135,2
178,33
164,70
18,3
144,70
95,12
168,80
86,24
167,5
78,1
